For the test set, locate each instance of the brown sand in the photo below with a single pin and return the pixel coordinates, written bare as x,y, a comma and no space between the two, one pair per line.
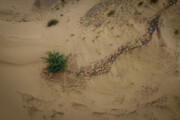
140,84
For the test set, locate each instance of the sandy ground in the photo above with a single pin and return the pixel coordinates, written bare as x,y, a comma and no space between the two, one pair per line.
140,84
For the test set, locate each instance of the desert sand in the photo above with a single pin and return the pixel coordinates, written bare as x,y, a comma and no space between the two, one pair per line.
120,67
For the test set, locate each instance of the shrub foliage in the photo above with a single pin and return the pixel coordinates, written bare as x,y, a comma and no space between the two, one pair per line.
55,62
140,3
52,22
64,2
111,12
153,1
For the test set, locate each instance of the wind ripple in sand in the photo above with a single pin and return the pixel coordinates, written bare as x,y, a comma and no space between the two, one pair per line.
18,64
20,51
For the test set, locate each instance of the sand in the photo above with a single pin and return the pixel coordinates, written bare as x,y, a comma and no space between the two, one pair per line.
116,69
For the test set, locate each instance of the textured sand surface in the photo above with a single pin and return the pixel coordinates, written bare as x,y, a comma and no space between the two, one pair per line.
122,67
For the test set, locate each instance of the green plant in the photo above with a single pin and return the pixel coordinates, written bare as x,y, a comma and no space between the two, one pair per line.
55,62
63,2
154,1
111,12
140,3
52,22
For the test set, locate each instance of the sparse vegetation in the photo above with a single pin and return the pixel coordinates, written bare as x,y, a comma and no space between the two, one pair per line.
154,1
140,3
52,22
55,62
57,7
23,20
111,12
63,2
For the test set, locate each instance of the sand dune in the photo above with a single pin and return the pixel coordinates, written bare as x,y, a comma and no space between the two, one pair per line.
122,67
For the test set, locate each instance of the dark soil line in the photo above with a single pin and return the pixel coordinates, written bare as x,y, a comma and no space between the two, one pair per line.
104,65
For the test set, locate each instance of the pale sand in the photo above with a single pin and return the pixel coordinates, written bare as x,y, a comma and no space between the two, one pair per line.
141,84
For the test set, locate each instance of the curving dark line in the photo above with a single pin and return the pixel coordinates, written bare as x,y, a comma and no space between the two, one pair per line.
104,65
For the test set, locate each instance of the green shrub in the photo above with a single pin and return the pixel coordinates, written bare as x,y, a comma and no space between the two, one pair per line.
64,2
140,3
52,22
55,62
153,1
111,12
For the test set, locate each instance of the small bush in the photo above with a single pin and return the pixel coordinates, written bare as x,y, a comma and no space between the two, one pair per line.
140,3
153,1
55,62
52,22
64,2
111,12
